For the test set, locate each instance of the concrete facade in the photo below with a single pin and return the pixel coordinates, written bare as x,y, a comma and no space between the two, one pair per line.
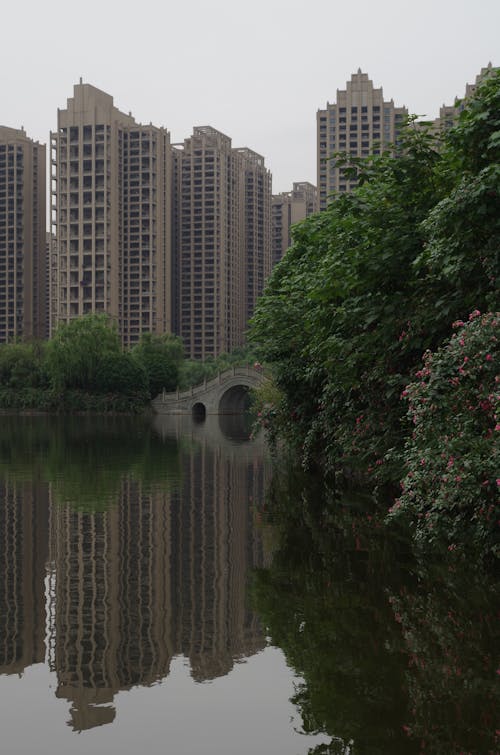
449,113
111,204
23,282
222,240
288,208
360,122
256,195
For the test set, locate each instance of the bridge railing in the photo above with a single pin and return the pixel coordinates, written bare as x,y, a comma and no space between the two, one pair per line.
201,388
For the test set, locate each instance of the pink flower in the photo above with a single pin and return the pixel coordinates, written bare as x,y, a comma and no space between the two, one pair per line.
474,314
489,358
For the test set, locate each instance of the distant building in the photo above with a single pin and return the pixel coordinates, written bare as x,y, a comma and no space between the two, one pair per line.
51,278
111,200
288,208
359,123
257,198
23,283
448,113
222,240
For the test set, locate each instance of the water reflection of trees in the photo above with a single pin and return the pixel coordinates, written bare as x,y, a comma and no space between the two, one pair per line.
85,458
396,655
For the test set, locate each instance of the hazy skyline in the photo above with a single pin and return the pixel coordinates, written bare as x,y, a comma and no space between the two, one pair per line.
257,72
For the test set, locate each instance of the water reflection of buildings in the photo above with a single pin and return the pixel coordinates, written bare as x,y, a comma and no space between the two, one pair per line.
23,553
111,601
160,574
213,549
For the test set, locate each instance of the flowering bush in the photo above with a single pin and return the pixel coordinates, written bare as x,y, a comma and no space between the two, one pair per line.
451,488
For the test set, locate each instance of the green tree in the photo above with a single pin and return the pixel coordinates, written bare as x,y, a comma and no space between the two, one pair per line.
21,365
194,372
121,373
460,261
337,320
375,280
161,356
75,353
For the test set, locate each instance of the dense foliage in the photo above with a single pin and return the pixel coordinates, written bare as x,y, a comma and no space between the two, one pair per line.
161,356
83,367
194,372
372,283
452,458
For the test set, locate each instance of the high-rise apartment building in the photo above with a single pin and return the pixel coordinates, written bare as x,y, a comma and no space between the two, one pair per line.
222,240
359,123
111,194
256,213
448,113
23,283
290,207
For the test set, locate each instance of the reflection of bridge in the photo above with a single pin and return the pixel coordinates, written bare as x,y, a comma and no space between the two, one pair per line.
225,394
230,433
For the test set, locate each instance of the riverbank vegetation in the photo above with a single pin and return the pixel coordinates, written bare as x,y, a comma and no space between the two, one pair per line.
359,317
84,368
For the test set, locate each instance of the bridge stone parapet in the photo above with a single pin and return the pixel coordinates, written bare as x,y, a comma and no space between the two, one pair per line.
227,393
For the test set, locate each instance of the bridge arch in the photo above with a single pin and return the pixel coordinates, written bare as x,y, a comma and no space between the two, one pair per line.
228,393
236,400
199,411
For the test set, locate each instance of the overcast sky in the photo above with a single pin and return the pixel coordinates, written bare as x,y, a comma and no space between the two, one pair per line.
258,71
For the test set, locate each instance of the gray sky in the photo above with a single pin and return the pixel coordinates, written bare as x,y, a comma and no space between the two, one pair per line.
257,71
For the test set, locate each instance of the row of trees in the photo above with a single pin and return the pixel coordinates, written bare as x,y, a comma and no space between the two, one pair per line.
84,366
85,356
376,281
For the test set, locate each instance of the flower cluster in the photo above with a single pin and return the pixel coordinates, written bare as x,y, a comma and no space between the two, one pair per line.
451,486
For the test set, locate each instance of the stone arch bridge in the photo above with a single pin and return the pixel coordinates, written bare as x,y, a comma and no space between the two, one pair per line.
225,394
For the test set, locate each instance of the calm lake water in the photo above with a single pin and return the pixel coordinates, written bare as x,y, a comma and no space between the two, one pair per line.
165,589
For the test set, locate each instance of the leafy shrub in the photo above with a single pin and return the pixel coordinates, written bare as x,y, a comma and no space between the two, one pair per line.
120,373
21,365
161,357
450,491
